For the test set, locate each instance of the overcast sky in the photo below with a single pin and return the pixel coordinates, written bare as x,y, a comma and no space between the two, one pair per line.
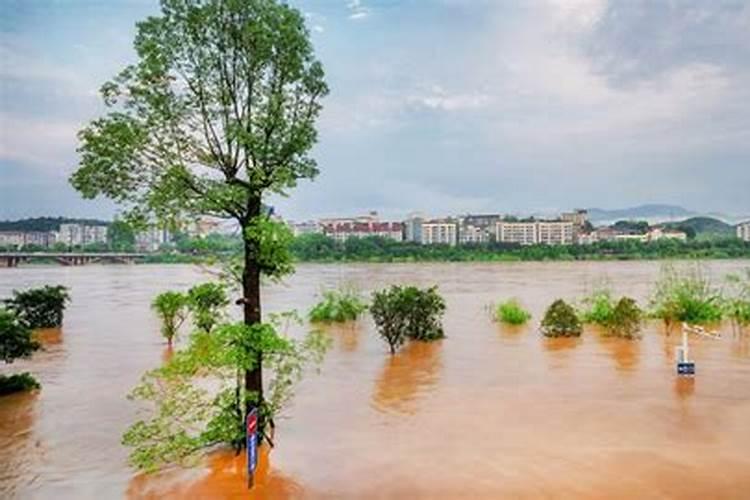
445,107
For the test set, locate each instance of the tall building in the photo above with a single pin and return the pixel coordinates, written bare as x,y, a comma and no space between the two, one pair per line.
478,228
13,239
82,234
151,239
522,233
535,232
440,231
413,228
743,231
578,217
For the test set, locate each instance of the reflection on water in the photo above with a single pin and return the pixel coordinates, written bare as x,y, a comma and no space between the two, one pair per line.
223,473
407,375
16,442
624,352
49,336
488,412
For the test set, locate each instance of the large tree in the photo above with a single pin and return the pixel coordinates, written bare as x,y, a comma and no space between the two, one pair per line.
218,111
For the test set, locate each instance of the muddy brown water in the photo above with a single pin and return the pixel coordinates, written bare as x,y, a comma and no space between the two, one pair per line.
488,412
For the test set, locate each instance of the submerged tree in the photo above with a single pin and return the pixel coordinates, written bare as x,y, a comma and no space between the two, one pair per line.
171,309
15,342
205,302
401,313
561,320
218,111
685,295
625,320
42,307
338,306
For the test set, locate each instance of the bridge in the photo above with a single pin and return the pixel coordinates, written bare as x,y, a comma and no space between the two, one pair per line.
13,259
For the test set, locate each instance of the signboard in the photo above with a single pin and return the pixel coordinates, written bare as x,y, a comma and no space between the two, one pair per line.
252,443
686,368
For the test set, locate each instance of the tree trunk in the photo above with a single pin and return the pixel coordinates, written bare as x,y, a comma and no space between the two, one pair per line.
251,304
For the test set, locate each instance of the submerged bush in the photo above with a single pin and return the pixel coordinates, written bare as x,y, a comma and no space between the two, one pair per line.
40,307
408,312
15,342
338,306
17,383
205,302
685,295
171,309
737,305
15,337
625,320
512,313
598,307
561,320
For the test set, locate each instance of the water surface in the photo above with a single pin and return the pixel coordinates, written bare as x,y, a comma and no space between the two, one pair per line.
488,412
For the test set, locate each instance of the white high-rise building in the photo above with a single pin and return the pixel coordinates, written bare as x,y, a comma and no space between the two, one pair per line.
535,232
743,231
440,232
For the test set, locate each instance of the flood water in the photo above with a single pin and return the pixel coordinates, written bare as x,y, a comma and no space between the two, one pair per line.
488,412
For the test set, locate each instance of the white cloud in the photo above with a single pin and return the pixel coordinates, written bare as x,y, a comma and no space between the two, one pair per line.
438,99
357,10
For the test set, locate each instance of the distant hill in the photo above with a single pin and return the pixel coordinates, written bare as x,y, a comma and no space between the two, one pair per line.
46,223
652,213
706,227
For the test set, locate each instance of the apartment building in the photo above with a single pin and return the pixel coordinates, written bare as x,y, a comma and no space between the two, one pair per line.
344,231
82,234
439,231
535,232
521,233
743,231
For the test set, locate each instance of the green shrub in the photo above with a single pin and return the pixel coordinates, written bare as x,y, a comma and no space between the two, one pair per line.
685,295
40,307
512,313
625,320
598,307
737,305
338,306
15,337
408,312
171,309
205,302
561,320
17,383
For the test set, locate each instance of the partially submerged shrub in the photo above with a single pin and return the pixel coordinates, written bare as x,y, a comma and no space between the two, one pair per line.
598,307
685,295
205,302
171,309
40,307
512,313
625,320
737,305
17,383
407,312
561,320
15,337
338,306
15,342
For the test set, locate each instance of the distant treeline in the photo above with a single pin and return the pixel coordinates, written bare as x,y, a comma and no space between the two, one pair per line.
45,224
318,247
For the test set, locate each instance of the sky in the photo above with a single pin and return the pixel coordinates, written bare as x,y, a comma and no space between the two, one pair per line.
443,107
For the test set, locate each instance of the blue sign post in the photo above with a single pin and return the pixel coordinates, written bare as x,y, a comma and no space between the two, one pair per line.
252,445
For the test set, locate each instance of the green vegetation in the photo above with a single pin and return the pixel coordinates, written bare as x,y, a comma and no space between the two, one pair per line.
402,313
512,313
599,307
171,307
205,302
338,306
320,248
17,382
40,307
45,224
625,320
561,320
737,302
703,228
685,295
15,342
187,418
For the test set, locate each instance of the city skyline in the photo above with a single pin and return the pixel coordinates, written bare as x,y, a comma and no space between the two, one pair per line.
458,107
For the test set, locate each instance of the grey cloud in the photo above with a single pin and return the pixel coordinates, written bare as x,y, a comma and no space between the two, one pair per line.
639,39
